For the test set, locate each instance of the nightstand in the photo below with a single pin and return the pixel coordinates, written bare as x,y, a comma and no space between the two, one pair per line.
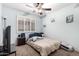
20,41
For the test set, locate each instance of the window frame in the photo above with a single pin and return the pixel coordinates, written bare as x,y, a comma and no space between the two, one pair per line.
25,18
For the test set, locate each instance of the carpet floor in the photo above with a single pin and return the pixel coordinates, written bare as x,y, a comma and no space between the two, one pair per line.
26,50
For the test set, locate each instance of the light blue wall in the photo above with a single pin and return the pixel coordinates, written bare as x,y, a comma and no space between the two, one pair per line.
68,32
11,15
1,32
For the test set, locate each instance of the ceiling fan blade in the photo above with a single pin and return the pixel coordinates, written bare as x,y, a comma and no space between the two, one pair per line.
28,6
47,9
36,4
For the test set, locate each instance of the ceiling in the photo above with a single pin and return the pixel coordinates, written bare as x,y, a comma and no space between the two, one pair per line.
23,7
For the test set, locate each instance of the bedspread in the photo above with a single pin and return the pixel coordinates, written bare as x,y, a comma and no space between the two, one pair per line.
45,46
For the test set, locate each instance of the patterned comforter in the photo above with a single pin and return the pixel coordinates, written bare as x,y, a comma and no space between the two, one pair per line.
45,46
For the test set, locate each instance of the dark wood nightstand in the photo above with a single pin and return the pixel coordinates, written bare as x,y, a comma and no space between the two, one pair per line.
20,41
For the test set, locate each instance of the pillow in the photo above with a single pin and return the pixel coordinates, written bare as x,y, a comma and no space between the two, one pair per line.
30,39
40,38
43,35
35,34
34,38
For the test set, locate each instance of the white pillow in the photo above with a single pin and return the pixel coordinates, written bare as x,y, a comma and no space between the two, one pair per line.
30,39
34,38
40,38
43,35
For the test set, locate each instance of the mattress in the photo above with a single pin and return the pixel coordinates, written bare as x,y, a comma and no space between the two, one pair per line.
45,46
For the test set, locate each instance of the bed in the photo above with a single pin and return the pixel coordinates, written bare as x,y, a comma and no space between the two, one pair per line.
44,45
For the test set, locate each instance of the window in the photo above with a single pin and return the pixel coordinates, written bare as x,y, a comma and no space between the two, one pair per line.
20,25
25,24
32,25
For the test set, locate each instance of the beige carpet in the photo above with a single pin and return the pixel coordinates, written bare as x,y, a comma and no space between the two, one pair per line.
26,50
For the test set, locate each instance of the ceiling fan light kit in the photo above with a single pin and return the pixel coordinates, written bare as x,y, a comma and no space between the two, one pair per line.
38,8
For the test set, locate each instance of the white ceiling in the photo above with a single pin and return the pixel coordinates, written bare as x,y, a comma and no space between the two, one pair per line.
23,7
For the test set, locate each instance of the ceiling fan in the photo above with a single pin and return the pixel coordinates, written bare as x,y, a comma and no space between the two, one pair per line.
38,7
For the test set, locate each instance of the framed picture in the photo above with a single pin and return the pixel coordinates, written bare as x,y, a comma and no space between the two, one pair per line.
69,19
53,20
